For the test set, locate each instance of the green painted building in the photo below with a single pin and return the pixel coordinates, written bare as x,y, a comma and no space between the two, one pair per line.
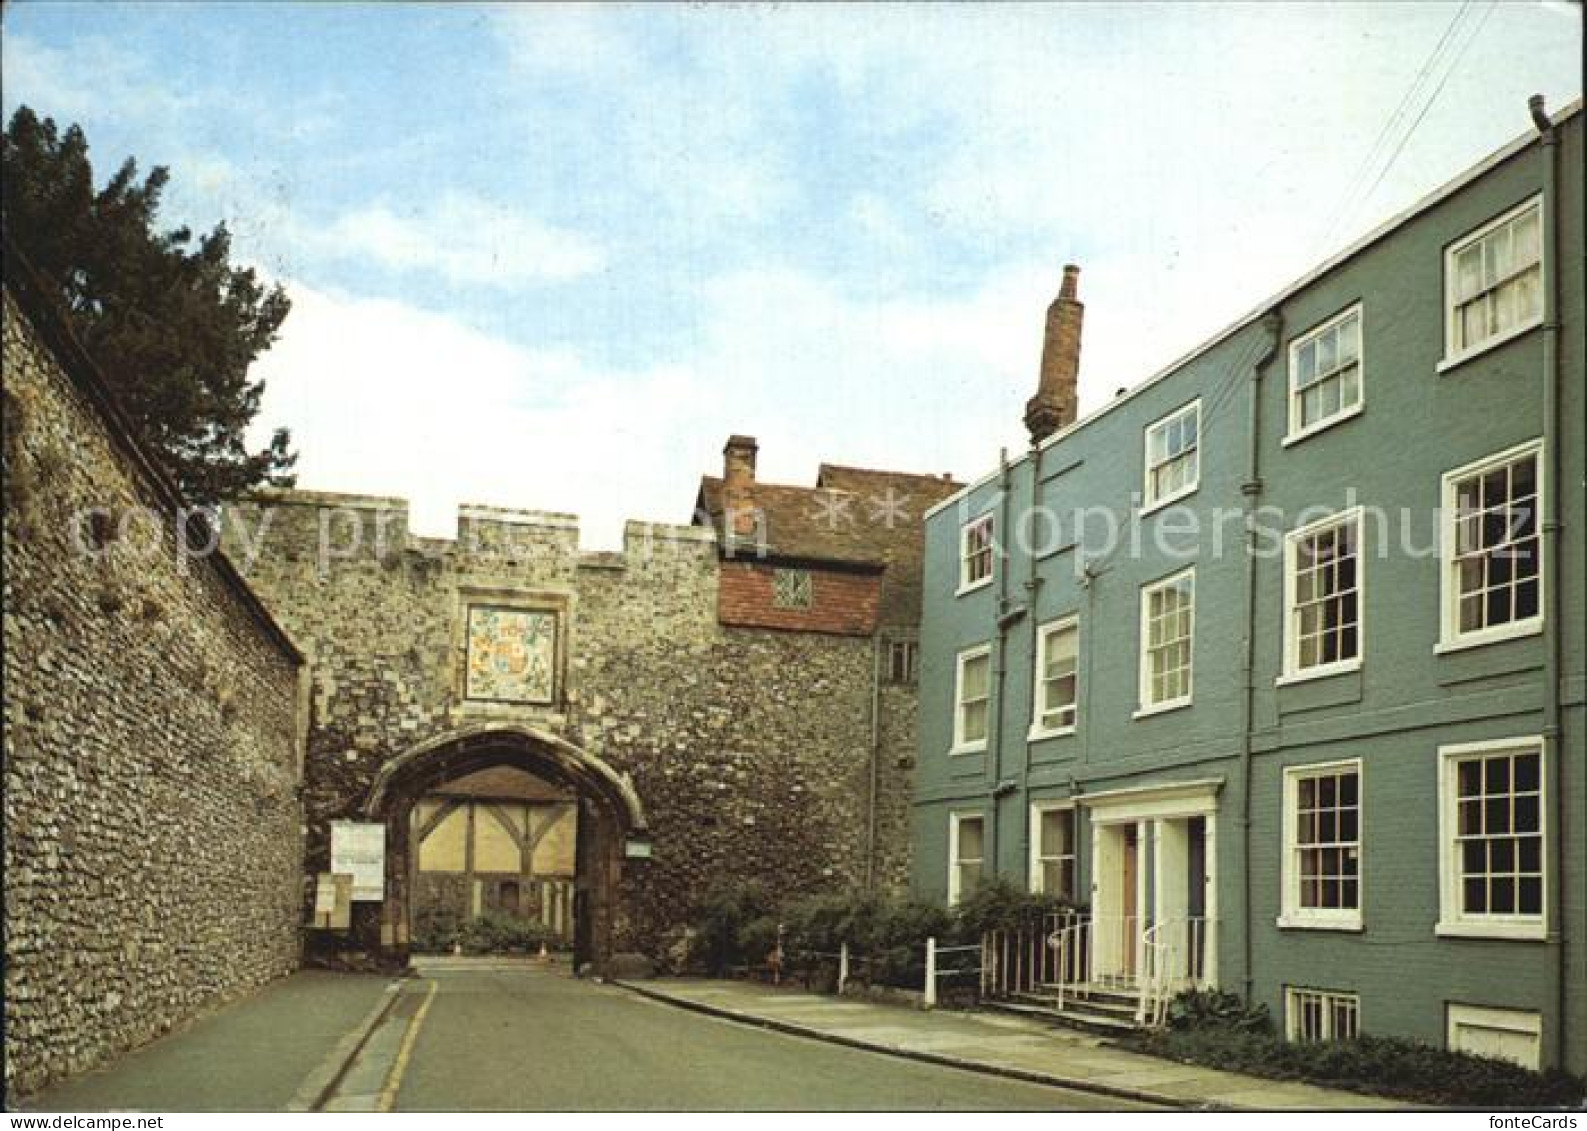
1275,663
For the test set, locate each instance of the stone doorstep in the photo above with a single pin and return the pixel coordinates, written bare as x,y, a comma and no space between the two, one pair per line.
1104,1071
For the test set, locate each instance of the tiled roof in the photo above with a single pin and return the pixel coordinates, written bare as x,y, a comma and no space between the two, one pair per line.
803,522
853,516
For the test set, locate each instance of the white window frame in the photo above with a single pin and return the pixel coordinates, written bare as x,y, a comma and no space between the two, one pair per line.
1451,921
1527,1022
1454,357
1145,705
1292,996
960,744
1450,638
1292,671
1297,431
1038,727
1037,856
966,585
1321,918
1148,502
955,819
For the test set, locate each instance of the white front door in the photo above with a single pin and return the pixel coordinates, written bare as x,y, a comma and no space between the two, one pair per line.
1118,896
1154,873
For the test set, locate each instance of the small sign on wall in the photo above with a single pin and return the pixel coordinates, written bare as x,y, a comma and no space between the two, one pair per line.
333,902
358,849
638,847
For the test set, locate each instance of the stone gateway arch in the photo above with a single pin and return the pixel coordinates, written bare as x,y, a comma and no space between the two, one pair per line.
496,704
609,815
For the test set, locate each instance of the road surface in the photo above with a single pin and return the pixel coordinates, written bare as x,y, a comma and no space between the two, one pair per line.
505,1041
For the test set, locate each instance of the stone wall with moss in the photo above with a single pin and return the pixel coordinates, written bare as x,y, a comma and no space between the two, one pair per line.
152,827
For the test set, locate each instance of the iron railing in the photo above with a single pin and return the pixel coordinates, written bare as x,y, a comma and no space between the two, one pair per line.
1072,953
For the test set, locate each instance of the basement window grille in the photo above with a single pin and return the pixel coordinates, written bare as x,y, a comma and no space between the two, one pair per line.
1323,1015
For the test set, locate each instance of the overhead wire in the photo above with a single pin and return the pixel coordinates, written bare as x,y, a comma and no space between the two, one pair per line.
1442,61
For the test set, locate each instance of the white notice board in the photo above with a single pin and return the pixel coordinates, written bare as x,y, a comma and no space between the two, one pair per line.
358,849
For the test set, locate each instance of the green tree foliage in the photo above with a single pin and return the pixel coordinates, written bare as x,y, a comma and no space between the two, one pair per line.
172,324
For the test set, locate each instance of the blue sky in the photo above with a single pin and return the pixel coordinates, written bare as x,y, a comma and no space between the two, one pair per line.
550,256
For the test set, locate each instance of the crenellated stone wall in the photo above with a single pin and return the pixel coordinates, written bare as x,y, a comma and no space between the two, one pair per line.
152,827
750,748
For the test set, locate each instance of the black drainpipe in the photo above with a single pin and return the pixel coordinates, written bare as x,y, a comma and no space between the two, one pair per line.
1554,747
1251,488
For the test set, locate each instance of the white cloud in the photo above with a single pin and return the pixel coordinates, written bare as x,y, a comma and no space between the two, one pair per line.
1209,151
467,239
684,119
1181,156
383,398
567,40
77,84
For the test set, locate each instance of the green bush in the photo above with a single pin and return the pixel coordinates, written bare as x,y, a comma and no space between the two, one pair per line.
997,904
818,925
898,940
1219,1030
1198,1009
736,925
724,916
492,933
436,932
757,939
886,936
814,930
498,933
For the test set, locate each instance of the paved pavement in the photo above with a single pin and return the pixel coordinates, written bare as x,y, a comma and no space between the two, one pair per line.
1030,1049
257,1054
489,1036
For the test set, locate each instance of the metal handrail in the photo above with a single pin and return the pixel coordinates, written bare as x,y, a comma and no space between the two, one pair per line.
1154,957
1074,949
1061,941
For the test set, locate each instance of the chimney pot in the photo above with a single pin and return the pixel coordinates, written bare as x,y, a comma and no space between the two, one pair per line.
1071,285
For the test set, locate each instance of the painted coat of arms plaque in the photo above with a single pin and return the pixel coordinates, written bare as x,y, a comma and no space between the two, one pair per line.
511,655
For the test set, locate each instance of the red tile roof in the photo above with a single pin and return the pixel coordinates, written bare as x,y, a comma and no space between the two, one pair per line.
854,517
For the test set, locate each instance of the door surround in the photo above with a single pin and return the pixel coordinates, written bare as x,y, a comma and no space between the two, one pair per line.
1150,810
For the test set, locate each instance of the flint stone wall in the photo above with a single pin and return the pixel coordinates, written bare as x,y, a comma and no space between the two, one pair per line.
152,828
750,748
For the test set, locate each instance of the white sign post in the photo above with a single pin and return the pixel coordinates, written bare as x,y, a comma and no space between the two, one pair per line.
358,849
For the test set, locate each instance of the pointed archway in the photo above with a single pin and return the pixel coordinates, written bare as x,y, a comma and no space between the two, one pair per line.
609,813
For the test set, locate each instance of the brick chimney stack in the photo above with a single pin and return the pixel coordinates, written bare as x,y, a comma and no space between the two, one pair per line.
1053,407
738,484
